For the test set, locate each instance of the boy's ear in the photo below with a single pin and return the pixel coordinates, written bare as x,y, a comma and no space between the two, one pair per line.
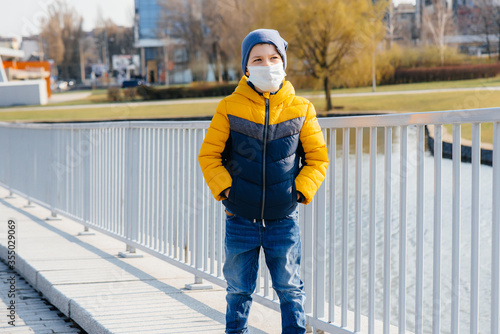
246,72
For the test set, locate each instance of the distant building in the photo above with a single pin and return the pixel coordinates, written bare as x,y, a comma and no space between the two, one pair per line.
468,32
147,18
471,34
22,90
404,25
9,43
31,47
163,58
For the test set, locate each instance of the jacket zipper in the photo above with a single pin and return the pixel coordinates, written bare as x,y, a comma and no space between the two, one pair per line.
264,159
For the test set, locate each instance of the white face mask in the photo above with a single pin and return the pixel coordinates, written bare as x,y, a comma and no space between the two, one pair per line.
267,78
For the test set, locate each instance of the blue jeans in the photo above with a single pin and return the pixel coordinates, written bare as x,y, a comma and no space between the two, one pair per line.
280,240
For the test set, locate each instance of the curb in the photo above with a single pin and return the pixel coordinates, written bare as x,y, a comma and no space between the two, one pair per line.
486,155
67,306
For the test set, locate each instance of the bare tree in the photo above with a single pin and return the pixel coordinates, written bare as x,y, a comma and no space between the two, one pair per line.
211,31
438,22
487,19
61,33
183,20
112,39
391,24
496,18
326,34
52,37
227,29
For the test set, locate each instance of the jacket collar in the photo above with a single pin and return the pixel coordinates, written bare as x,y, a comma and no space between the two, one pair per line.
274,99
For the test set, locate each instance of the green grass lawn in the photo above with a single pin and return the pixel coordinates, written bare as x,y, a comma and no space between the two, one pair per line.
100,95
121,111
414,102
466,132
488,82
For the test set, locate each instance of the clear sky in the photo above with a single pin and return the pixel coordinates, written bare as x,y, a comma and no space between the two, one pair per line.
22,17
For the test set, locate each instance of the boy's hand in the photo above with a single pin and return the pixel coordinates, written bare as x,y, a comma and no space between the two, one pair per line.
300,197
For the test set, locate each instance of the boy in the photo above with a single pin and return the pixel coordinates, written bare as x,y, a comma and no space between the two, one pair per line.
263,153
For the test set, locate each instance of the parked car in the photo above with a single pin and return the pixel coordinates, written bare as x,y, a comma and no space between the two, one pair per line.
62,85
133,83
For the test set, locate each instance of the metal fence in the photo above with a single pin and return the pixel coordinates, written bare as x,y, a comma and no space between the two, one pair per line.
386,248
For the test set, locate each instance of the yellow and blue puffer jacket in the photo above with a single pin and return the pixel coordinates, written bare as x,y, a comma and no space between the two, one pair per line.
266,148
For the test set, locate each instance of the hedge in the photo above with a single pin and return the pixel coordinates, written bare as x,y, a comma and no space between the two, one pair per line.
446,73
152,93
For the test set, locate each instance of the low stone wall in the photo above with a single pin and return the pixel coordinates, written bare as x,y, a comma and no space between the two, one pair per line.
23,93
466,150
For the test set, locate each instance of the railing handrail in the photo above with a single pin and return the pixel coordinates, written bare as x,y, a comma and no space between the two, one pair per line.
376,120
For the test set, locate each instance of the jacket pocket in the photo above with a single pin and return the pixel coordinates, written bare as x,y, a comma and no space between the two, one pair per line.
294,190
229,215
232,191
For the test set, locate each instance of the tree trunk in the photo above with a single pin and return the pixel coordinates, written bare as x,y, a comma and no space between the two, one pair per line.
487,33
219,62
488,47
326,85
498,47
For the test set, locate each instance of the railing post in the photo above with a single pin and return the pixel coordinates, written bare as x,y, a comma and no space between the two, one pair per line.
9,164
372,230
333,216
131,189
54,184
345,224
86,182
495,239
319,252
358,228
474,278
419,277
438,155
198,206
402,228
32,147
387,228
456,222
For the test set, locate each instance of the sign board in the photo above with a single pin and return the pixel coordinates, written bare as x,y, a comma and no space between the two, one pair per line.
124,62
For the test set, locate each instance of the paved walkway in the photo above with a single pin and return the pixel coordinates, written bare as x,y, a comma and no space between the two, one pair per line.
85,279
33,314
65,97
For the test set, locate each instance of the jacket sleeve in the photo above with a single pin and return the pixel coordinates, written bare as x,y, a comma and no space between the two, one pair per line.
210,157
316,157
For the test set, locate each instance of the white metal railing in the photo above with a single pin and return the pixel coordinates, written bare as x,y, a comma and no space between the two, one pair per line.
381,251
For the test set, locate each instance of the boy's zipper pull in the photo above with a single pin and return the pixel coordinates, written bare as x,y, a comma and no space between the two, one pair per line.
266,125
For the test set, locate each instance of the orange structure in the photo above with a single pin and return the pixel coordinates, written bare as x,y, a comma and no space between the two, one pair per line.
17,70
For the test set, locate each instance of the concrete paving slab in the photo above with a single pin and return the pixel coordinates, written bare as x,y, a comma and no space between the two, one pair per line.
32,313
86,280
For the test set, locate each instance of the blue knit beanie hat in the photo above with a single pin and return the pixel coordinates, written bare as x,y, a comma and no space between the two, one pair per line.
262,36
